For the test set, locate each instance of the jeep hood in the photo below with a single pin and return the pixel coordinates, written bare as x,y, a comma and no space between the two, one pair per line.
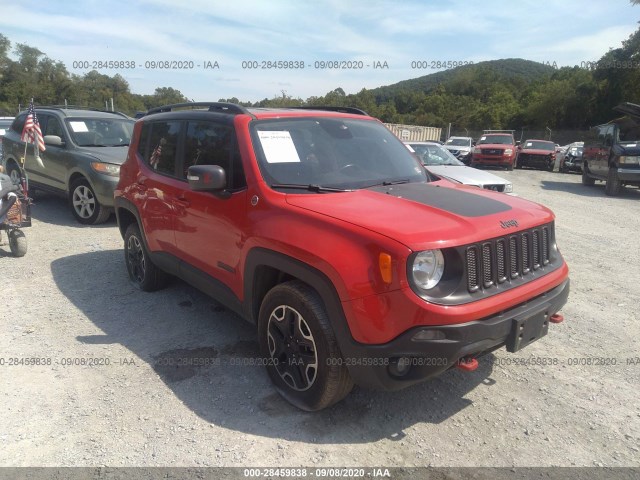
115,155
422,216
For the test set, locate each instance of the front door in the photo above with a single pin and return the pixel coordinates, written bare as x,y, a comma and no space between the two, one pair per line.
208,227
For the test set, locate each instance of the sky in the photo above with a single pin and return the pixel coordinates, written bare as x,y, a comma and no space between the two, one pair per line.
217,45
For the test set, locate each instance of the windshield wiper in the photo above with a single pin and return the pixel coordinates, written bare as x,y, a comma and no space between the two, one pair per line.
310,187
386,183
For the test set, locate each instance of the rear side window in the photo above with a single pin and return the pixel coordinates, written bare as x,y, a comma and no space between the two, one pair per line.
144,140
161,154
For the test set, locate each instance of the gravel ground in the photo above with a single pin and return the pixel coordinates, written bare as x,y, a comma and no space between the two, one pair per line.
69,301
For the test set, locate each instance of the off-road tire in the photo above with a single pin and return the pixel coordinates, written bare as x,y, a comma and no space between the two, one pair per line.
143,273
293,324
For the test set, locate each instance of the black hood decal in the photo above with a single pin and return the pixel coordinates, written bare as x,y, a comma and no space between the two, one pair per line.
451,200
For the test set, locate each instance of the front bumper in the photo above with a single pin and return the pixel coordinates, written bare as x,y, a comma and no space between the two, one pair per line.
629,175
374,366
492,160
104,186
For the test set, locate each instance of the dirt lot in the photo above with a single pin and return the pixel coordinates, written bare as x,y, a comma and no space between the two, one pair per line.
69,303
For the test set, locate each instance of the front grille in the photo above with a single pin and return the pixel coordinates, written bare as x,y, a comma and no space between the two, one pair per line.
491,151
511,257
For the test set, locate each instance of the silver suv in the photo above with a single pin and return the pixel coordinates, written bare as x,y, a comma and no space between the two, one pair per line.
84,151
461,148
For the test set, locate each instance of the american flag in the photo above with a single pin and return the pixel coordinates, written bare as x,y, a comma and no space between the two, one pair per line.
155,156
31,132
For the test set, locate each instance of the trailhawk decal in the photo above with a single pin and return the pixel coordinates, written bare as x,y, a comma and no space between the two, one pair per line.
448,199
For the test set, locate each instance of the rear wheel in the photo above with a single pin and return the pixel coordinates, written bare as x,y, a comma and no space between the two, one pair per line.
17,243
14,173
300,349
586,178
143,273
85,205
613,185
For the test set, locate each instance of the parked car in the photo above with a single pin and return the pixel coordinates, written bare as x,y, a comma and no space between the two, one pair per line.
322,229
84,151
461,148
5,123
495,149
537,154
572,160
439,161
612,151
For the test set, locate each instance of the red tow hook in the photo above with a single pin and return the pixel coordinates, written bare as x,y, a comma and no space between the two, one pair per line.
556,318
467,364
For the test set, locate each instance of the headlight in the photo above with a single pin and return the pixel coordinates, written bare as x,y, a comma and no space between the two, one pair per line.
508,188
508,151
629,160
427,269
106,168
476,151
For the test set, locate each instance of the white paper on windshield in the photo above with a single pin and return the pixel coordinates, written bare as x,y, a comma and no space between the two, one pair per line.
628,145
278,147
528,144
483,138
410,148
79,127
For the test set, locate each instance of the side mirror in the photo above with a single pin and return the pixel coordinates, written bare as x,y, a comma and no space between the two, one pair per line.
207,178
53,140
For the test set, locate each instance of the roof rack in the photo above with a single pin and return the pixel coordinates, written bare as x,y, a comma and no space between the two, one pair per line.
77,107
353,110
213,107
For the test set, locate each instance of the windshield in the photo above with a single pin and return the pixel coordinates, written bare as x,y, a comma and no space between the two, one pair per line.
459,142
100,132
331,152
501,139
539,145
432,154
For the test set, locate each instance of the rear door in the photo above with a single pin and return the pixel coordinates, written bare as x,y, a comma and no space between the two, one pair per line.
158,186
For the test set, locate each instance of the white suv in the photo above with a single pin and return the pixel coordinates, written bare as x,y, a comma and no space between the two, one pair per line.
461,147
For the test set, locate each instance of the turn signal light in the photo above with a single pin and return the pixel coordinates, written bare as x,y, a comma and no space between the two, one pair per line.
384,262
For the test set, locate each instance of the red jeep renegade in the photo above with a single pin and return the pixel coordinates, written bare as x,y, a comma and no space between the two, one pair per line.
321,228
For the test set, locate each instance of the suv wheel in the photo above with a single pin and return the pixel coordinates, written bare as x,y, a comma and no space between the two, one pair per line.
613,185
143,273
586,178
85,205
300,348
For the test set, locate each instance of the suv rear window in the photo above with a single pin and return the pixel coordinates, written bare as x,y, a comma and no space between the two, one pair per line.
161,155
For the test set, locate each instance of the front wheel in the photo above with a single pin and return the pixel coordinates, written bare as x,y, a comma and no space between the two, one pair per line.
613,185
17,243
300,348
85,205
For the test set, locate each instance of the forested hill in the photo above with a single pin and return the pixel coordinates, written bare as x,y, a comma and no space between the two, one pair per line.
508,69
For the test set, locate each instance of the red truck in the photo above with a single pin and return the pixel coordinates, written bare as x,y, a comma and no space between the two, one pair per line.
323,230
497,149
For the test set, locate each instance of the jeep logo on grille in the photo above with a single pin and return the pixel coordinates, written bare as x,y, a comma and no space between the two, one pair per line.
509,223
